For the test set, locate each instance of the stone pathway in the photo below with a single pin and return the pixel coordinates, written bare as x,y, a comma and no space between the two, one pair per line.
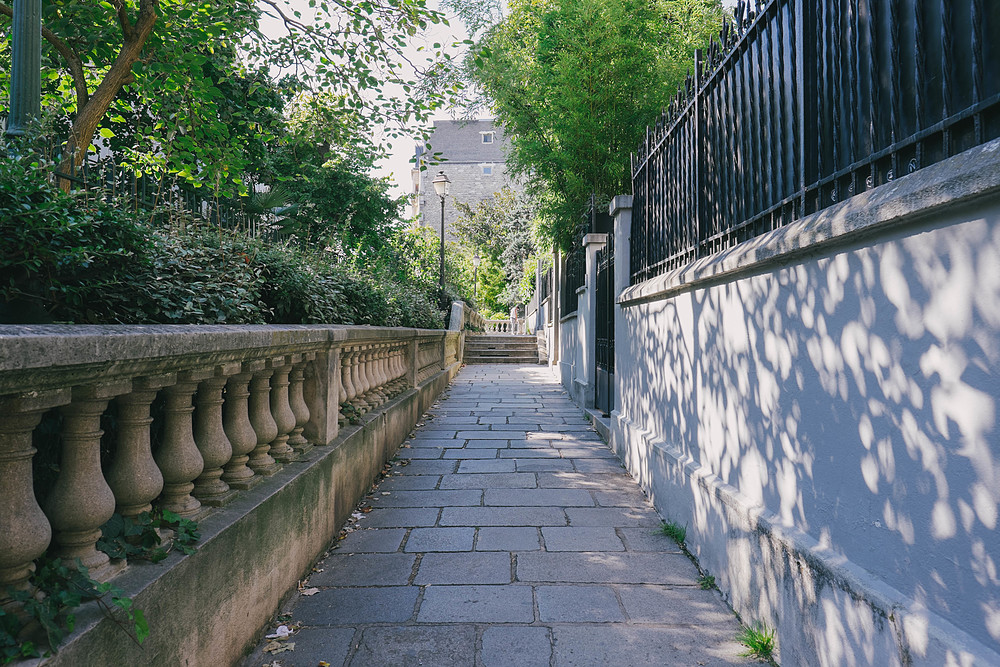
507,534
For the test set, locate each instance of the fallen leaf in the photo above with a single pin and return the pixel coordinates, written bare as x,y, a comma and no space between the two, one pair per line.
366,510
323,663
310,591
385,493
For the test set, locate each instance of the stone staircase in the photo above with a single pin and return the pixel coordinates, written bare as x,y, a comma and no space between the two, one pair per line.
500,349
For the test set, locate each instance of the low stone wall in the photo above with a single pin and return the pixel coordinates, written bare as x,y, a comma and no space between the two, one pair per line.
819,407
287,430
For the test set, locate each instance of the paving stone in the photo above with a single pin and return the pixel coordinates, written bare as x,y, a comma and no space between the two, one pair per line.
487,435
606,568
486,466
648,539
440,539
579,480
596,465
505,645
422,452
409,482
532,453
507,539
373,540
544,465
431,443
348,606
418,498
484,444
613,516
512,425
538,498
464,568
512,480
423,467
476,604
625,497
676,605
364,570
503,516
578,452
463,454
643,646
393,518
578,604
577,538
312,646
410,646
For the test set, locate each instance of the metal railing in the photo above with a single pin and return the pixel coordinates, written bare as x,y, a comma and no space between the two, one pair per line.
804,104
574,276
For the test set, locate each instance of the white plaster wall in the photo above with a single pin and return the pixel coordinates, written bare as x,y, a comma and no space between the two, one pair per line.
827,429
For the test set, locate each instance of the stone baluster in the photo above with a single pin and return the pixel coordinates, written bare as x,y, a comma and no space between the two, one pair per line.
24,529
263,422
178,456
134,476
211,439
378,375
281,411
392,376
297,402
81,500
399,365
346,388
358,380
239,430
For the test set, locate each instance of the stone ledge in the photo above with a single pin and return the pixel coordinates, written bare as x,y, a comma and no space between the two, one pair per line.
958,180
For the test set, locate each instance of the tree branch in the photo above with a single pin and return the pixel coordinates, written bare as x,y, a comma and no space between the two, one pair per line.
73,61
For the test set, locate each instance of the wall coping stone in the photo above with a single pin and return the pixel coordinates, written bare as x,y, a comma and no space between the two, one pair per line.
961,179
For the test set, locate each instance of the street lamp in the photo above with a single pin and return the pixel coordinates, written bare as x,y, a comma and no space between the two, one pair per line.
441,184
26,66
475,278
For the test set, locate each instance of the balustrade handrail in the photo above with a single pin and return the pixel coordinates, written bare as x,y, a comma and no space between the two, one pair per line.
240,401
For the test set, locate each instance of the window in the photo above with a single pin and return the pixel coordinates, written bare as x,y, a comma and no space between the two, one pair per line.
487,137
487,169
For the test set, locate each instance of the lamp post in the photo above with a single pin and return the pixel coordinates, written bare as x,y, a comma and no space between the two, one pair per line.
441,184
475,278
26,66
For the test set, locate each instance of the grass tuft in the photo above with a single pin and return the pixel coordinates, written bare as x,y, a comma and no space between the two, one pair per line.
759,640
674,531
707,581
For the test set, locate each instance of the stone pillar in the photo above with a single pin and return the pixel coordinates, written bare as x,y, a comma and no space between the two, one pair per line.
587,321
81,500
621,211
134,476
322,391
281,411
262,421
297,402
178,456
210,437
24,529
238,429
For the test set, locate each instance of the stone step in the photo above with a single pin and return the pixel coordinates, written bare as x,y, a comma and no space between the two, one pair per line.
498,346
501,360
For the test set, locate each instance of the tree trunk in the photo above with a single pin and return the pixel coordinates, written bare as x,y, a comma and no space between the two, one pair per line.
89,116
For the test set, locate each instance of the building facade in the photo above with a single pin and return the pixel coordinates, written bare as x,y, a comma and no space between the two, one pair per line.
472,154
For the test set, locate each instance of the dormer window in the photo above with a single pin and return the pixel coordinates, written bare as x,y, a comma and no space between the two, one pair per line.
487,137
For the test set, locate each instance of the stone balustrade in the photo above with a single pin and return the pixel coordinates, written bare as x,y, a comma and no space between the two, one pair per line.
510,326
239,403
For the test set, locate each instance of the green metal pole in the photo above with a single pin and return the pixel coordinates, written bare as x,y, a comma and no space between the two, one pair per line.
26,63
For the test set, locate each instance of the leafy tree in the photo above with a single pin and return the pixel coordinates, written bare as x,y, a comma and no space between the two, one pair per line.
574,83
502,229
175,56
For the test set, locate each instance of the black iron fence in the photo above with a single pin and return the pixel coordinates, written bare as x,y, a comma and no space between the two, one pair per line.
604,321
545,286
804,104
574,276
